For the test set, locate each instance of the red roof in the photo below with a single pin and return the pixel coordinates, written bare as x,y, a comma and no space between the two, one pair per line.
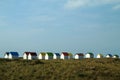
80,54
31,53
65,53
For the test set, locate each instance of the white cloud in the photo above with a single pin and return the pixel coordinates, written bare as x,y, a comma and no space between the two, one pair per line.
116,7
72,4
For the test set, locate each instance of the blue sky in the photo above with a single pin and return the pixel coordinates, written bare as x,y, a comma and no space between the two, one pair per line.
60,25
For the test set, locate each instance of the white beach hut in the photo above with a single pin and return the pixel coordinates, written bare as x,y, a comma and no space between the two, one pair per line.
99,56
89,55
79,56
29,55
11,55
64,55
42,55
48,55
109,56
70,56
115,56
56,56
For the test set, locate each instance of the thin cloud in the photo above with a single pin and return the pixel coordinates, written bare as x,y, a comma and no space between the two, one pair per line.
3,21
73,4
117,7
41,18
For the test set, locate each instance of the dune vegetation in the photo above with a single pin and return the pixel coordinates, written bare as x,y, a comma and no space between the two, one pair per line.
85,69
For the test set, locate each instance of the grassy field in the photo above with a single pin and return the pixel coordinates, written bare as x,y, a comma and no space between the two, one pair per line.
85,69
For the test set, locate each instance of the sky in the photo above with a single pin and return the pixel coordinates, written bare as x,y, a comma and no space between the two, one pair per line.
77,26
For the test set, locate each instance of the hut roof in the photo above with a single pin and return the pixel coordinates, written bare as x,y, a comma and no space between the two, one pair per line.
80,54
43,53
109,55
31,53
49,53
7,53
14,53
70,54
90,53
65,53
57,54
100,54
116,55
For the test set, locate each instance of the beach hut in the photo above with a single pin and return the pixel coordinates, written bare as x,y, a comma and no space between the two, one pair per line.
29,55
48,55
41,55
109,56
99,55
89,55
70,56
56,56
11,55
79,56
64,55
115,56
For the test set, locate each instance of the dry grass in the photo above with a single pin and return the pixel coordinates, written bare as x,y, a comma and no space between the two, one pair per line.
86,69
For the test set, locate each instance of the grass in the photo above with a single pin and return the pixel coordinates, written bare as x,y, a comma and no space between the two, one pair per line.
85,69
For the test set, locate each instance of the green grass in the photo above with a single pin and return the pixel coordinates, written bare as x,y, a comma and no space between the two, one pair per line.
85,69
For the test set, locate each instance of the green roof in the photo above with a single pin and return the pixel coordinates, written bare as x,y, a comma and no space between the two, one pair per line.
90,53
49,53
116,55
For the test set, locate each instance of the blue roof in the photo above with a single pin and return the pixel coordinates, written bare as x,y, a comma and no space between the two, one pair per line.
7,53
14,53
110,55
57,54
